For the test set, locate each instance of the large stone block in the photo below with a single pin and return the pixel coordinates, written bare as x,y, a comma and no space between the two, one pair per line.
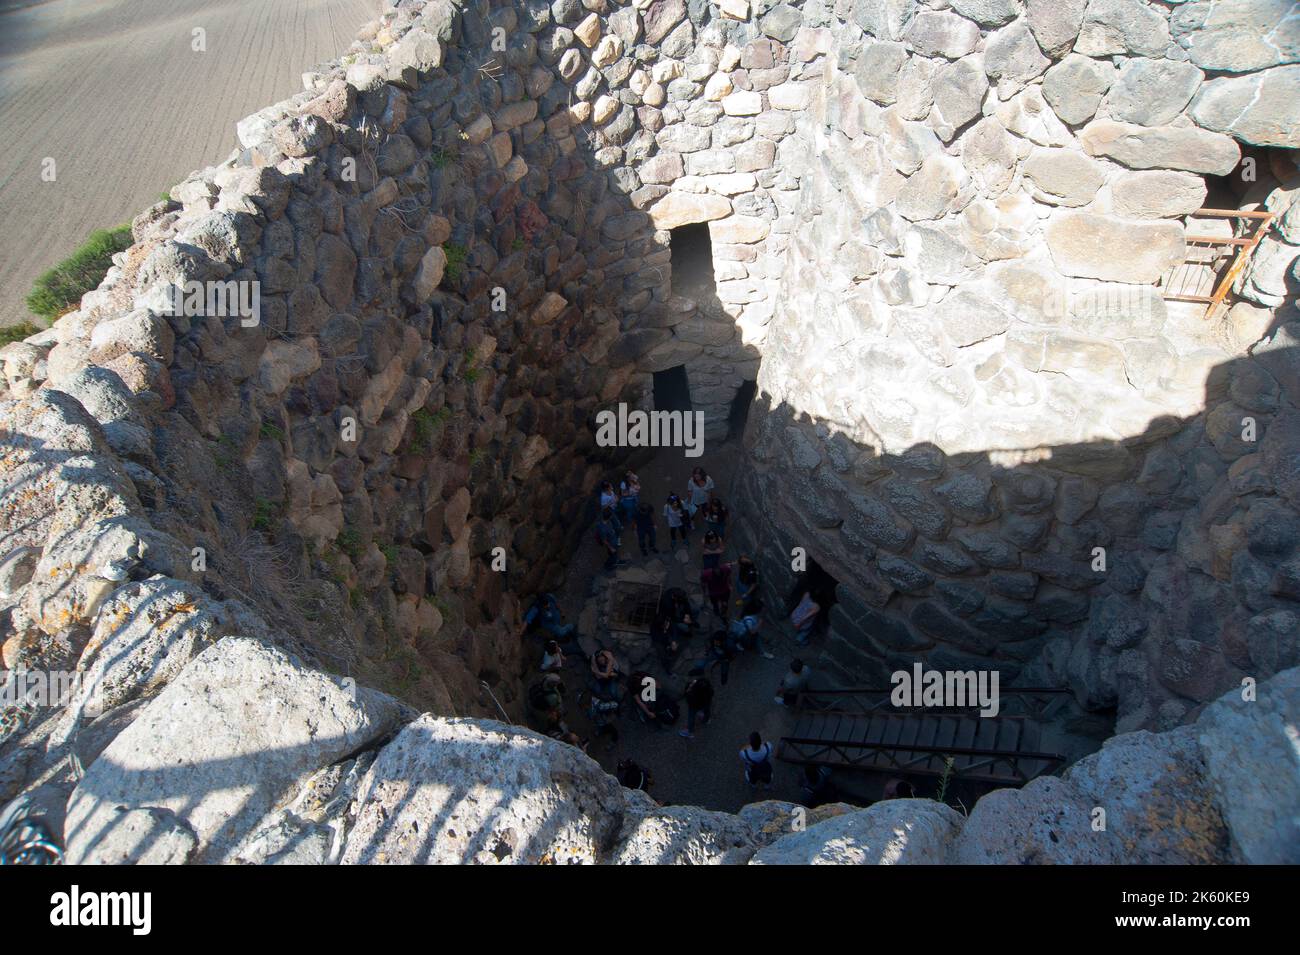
1157,194
218,749
893,832
1237,36
1262,108
1116,250
1161,147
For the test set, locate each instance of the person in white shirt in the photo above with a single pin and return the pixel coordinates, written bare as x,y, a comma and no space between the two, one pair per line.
699,489
678,521
757,757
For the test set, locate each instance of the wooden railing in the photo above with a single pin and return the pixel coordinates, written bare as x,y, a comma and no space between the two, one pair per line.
1213,263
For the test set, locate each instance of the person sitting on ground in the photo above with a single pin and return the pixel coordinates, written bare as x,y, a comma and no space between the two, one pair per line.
605,674
714,546
629,495
746,632
552,657
678,521
804,618
757,757
645,530
715,516
746,579
545,614
634,776
716,582
546,701
699,703
793,683
816,786
677,606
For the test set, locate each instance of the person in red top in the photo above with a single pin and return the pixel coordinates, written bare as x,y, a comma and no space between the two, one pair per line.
716,582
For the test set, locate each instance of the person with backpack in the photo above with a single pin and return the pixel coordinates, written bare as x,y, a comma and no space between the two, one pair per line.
546,701
716,582
793,683
804,618
757,758
699,702
608,529
645,530
745,632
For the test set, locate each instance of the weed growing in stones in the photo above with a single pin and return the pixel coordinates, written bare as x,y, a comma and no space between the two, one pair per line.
265,514
424,428
16,333
349,541
456,256
59,290
270,431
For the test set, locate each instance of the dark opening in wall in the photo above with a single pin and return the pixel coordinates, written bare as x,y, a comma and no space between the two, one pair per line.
739,412
818,582
672,391
692,261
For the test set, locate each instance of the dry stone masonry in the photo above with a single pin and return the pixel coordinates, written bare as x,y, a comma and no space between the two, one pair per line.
937,234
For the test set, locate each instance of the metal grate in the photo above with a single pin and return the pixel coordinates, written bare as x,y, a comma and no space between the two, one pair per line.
633,606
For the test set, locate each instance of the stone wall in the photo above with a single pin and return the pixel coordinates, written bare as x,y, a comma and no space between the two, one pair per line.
972,381
939,243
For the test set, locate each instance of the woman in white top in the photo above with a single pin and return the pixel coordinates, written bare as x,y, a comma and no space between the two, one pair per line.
679,522
699,489
608,496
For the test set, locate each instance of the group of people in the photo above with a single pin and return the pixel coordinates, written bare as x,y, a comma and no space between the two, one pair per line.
730,592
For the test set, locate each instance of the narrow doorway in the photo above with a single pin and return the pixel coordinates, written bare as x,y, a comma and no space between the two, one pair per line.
819,583
671,390
692,261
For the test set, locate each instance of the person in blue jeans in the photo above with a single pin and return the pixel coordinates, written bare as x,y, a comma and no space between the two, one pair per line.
629,496
746,579
745,632
645,530
608,529
545,615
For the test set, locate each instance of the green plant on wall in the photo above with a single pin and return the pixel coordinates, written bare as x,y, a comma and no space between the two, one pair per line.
456,256
59,289
16,333
470,370
425,426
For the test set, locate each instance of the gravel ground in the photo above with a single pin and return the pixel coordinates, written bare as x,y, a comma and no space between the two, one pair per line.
113,92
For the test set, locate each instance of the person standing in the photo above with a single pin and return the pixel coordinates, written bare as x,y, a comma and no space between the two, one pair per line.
715,517
746,579
714,546
716,582
757,757
699,701
607,533
804,618
678,521
699,490
645,530
793,683
608,496
629,495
